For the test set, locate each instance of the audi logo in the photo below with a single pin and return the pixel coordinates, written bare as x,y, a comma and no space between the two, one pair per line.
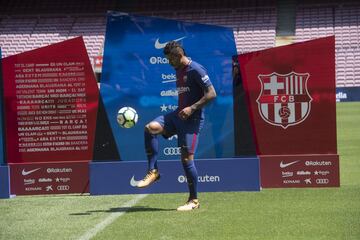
172,151
63,187
322,181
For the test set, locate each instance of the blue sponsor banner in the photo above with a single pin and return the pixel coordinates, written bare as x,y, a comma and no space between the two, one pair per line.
4,182
2,160
136,73
237,174
347,94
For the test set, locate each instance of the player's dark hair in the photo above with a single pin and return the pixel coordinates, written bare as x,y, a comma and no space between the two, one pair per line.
173,47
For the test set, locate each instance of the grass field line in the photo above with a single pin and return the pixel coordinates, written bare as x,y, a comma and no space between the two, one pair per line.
111,218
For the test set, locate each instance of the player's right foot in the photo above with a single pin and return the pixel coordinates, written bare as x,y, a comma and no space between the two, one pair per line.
151,177
189,205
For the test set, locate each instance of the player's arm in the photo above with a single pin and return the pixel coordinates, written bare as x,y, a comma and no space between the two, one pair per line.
209,95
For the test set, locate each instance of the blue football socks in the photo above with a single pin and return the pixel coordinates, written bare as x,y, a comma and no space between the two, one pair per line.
152,149
192,177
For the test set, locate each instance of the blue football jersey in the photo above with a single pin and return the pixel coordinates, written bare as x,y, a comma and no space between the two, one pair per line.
191,82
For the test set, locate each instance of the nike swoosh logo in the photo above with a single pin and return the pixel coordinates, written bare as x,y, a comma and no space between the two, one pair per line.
133,182
284,165
24,173
159,45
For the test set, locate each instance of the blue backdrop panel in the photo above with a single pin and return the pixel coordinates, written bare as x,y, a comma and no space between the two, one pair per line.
4,182
135,73
236,174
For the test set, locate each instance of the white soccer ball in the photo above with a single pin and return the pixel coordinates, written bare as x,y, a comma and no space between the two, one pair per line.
127,117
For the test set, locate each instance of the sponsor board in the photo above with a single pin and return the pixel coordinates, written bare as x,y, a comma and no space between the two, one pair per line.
49,178
235,174
300,171
347,94
291,100
4,182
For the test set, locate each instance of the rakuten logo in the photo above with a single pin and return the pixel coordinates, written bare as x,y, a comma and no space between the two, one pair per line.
158,60
205,178
59,170
318,163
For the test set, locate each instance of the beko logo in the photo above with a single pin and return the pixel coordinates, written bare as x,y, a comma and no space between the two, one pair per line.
172,151
29,181
287,174
166,78
204,178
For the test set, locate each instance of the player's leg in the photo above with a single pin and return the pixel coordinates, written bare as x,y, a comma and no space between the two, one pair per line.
151,131
188,163
160,125
189,141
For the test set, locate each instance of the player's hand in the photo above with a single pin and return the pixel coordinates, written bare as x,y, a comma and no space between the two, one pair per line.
185,113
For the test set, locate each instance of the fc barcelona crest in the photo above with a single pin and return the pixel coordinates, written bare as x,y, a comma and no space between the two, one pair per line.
284,100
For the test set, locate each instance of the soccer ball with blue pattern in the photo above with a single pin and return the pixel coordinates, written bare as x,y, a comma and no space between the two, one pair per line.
127,117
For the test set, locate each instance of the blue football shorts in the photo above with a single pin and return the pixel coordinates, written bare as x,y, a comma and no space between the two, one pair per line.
187,130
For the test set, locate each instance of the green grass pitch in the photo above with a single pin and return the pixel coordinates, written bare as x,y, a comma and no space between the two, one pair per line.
322,213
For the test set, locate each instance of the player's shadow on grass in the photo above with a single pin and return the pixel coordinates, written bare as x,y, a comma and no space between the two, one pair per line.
125,209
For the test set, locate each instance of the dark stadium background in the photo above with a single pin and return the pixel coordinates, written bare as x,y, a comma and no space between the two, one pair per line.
257,24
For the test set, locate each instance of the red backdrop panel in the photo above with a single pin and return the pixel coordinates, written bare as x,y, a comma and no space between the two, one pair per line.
49,178
291,93
51,99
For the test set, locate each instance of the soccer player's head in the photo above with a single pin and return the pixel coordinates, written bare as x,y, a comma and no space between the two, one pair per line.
174,52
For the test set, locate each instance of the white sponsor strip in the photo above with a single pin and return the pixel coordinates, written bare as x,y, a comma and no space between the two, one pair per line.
264,110
277,117
111,218
291,85
287,85
304,108
291,118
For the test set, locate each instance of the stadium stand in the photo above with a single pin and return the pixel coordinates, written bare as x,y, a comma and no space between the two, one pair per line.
254,29
314,21
25,26
20,34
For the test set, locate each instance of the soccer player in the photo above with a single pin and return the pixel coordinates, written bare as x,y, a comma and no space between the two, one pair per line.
195,90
